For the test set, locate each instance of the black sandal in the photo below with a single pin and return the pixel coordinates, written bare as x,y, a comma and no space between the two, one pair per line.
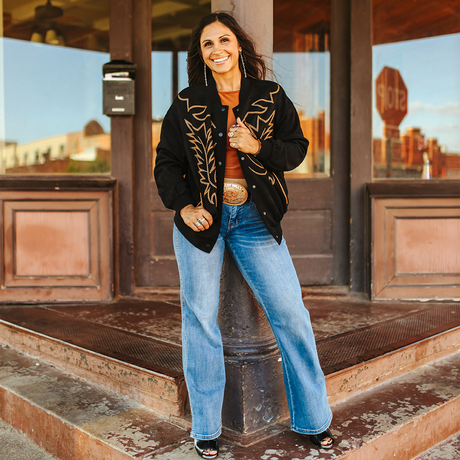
207,445
318,439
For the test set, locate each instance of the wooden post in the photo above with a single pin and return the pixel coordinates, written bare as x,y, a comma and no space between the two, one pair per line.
122,155
254,396
360,135
142,137
340,138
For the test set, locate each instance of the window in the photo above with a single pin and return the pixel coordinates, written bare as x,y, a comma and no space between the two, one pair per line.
301,64
172,25
50,75
416,97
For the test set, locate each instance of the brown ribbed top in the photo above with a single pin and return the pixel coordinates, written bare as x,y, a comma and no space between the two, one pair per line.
232,165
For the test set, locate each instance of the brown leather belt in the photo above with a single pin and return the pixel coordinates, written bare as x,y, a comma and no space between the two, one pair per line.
234,194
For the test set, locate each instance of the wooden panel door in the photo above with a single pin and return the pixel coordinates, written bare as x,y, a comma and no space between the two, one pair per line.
307,226
316,226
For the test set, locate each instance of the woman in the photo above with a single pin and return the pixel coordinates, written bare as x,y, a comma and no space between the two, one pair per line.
225,143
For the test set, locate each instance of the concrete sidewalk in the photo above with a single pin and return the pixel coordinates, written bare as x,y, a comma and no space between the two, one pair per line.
16,446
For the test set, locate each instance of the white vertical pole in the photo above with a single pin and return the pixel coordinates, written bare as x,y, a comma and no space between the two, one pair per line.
256,18
2,96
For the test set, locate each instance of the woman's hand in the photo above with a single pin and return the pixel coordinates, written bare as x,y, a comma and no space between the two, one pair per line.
242,139
198,219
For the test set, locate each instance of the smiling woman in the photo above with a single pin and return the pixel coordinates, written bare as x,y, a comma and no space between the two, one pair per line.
220,51
51,112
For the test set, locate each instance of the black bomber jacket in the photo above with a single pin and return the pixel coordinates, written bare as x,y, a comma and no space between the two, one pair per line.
190,162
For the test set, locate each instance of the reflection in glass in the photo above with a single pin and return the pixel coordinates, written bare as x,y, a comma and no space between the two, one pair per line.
301,64
50,73
172,25
416,97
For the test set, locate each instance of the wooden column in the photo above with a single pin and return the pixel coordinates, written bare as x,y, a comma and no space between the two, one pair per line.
122,154
340,138
142,136
254,397
360,135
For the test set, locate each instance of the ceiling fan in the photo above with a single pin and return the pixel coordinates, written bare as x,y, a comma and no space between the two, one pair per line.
47,12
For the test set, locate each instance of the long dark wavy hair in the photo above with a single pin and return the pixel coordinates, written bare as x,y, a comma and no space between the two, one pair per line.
255,64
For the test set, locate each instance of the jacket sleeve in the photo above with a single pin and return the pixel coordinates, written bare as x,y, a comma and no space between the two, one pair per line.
288,146
171,164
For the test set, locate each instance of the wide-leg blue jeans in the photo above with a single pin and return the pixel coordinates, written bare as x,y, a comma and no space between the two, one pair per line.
269,271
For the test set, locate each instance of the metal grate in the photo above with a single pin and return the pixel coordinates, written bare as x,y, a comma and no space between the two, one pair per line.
335,353
128,347
344,350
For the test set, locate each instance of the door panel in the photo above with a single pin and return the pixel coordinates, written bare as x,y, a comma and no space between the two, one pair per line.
307,229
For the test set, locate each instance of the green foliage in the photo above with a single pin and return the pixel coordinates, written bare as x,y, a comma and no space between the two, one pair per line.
99,165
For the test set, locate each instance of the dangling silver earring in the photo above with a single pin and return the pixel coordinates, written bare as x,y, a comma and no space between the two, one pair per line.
205,76
244,67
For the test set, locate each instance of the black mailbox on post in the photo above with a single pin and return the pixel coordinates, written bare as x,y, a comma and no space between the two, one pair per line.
118,88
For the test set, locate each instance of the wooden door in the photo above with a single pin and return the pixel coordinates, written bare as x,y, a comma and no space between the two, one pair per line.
316,226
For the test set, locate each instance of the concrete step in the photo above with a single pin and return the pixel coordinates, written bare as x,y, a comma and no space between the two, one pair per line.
396,420
16,446
446,450
380,365
74,419
134,348
143,368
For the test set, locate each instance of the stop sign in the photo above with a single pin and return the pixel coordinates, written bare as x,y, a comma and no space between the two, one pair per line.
391,96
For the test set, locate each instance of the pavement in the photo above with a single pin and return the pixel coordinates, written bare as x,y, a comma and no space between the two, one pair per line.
15,446
447,450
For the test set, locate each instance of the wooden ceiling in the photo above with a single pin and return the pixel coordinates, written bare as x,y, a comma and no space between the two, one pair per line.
84,23
400,20
173,22
299,25
296,19
393,21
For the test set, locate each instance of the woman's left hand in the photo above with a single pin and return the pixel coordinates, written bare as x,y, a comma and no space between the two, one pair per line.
242,139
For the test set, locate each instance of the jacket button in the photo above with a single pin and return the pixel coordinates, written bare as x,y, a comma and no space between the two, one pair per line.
221,134
265,213
220,163
253,186
242,158
223,109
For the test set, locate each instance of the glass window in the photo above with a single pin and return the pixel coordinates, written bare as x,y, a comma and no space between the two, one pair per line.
416,96
301,64
172,25
51,56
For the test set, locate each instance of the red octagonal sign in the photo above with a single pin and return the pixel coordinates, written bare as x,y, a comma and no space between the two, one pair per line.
391,96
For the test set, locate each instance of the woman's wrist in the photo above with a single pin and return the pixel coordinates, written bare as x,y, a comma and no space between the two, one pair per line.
259,146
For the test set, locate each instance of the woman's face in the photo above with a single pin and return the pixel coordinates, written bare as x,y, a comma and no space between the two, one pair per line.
220,49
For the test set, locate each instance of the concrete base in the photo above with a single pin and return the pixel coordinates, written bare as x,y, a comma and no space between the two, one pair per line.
255,399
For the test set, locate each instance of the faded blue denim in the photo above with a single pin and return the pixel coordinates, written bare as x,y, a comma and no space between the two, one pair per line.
269,271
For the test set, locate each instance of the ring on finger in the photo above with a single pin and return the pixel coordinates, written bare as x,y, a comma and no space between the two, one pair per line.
198,223
230,134
202,220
